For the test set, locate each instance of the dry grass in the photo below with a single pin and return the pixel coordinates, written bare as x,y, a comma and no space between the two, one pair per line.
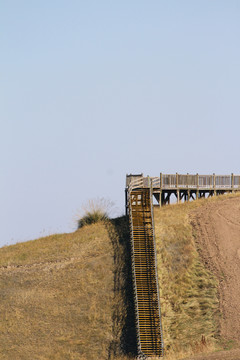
93,211
57,297
188,291
69,296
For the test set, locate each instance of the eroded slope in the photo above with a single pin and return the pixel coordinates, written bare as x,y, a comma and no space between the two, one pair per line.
217,227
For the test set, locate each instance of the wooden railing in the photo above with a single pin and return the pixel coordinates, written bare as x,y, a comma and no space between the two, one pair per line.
185,181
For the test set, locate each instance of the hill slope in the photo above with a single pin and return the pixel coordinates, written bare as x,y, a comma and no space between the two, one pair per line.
217,228
188,291
57,297
199,271
69,296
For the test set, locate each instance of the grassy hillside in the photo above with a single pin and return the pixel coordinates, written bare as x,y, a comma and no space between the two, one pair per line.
188,291
69,296
189,301
57,296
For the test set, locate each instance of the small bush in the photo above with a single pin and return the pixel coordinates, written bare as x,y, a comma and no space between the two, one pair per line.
94,211
91,218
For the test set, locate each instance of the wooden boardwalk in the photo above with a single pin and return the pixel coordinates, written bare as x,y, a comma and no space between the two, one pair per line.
184,186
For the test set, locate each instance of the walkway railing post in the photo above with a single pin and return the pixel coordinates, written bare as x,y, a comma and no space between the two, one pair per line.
149,181
197,193
126,202
160,194
232,178
177,188
214,183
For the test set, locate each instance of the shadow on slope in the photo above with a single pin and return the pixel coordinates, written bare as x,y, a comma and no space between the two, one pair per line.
68,296
124,330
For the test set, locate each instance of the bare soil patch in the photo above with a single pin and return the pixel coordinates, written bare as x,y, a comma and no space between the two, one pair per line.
217,231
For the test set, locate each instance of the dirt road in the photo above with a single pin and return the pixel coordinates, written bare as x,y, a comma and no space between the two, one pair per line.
217,229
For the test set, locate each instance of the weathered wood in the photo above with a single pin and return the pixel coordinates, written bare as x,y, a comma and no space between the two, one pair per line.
184,186
188,181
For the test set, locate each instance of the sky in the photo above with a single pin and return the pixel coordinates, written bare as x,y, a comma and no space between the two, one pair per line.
93,90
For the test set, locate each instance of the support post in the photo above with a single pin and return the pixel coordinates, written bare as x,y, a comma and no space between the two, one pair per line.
126,202
232,179
177,188
178,196
214,183
149,182
160,196
197,193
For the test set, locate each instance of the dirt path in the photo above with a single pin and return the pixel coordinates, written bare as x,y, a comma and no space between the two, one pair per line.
217,227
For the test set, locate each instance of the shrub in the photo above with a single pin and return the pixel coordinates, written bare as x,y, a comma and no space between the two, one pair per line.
95,210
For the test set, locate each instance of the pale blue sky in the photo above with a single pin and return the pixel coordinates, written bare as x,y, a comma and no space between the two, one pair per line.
92,90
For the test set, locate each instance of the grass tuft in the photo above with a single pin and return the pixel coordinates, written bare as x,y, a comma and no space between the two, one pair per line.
94,211
92,218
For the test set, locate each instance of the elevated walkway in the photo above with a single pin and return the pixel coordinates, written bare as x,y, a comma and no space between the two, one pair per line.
144,270
185,187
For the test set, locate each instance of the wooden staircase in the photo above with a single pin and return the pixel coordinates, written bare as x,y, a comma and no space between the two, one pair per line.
144,269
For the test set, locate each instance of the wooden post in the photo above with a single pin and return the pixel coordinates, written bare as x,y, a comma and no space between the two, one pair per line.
214,183
178,196
126,202
232,179
160,196
169,195
163,198
149,182
197,193
177,188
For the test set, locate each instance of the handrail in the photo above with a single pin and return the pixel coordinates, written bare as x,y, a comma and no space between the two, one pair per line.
189,181
144,269
133,273
155,257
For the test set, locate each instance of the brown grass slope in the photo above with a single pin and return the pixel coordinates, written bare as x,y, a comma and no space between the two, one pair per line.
217,229
69,296
189,287
188,291
58,296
